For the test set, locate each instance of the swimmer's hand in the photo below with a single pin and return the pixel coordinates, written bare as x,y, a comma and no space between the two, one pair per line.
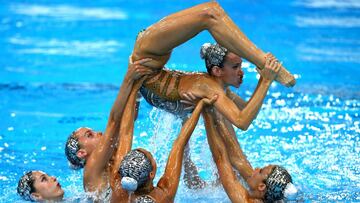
271,69
209,101
137,69
192,99
189,101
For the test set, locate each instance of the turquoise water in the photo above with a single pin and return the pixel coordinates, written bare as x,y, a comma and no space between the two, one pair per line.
61,64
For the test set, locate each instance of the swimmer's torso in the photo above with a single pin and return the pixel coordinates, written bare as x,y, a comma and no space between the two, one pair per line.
164,89
165,84
170,84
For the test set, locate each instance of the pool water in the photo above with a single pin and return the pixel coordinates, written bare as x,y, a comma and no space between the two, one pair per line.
62,62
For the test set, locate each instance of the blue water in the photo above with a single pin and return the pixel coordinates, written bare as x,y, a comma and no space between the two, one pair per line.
61,63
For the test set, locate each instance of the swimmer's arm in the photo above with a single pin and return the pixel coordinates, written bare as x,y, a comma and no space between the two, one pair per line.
236,155
124,144
170,180
240,118
240,103
99,159
235,191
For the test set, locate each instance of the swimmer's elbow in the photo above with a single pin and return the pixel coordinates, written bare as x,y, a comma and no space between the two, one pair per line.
114,117
243,125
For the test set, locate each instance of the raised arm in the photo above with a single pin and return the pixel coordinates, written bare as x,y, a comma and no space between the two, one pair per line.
170,180
241,118
100,157
235,191
237,157
124,144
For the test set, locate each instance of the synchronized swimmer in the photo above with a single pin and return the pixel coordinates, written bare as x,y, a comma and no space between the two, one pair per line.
112,171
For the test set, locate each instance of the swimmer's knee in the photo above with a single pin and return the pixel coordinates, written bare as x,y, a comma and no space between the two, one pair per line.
211,13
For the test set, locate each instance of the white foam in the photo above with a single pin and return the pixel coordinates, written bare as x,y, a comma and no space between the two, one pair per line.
40,114
329,3
67,12
342,22
309,53
68,48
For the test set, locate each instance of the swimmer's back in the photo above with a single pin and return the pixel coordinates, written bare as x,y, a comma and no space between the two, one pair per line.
170,84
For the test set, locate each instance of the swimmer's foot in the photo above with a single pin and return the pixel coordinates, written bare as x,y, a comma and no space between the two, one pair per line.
285,78
193,181
191,177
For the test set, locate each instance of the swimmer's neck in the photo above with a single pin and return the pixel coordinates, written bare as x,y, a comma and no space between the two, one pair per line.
255,195
146,189
220,82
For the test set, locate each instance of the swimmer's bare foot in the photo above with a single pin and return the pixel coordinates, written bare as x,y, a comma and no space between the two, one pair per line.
192,179
284,77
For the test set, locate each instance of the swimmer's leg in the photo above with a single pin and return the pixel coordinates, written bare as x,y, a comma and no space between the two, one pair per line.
192,179
191,175
160,38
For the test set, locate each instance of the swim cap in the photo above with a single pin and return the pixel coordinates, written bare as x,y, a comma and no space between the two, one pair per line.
144,199
276,183
213,54
135,168
25,186
72,146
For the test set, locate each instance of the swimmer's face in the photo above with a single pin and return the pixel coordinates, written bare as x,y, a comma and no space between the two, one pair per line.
258,177
231,72
88,139
152,160
46,187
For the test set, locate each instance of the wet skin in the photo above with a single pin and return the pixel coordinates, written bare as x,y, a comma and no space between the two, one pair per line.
46,187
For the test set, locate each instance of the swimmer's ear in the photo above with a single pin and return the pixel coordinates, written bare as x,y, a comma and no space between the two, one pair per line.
36,197
216,71
81,153
152,175
261,187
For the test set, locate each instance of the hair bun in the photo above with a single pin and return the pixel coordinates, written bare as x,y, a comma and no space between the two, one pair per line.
129,184
290,191
204,49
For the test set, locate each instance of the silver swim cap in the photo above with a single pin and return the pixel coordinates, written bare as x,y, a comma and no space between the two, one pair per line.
72,146
25,186
276,184
213,54
134,169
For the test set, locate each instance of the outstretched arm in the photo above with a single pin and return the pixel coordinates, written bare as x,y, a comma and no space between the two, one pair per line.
237,157
99,159
240,103
170,180
124,144
241,118
235,191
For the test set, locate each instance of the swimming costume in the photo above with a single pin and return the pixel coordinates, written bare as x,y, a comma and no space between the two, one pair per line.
175,107
161,88
144,199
